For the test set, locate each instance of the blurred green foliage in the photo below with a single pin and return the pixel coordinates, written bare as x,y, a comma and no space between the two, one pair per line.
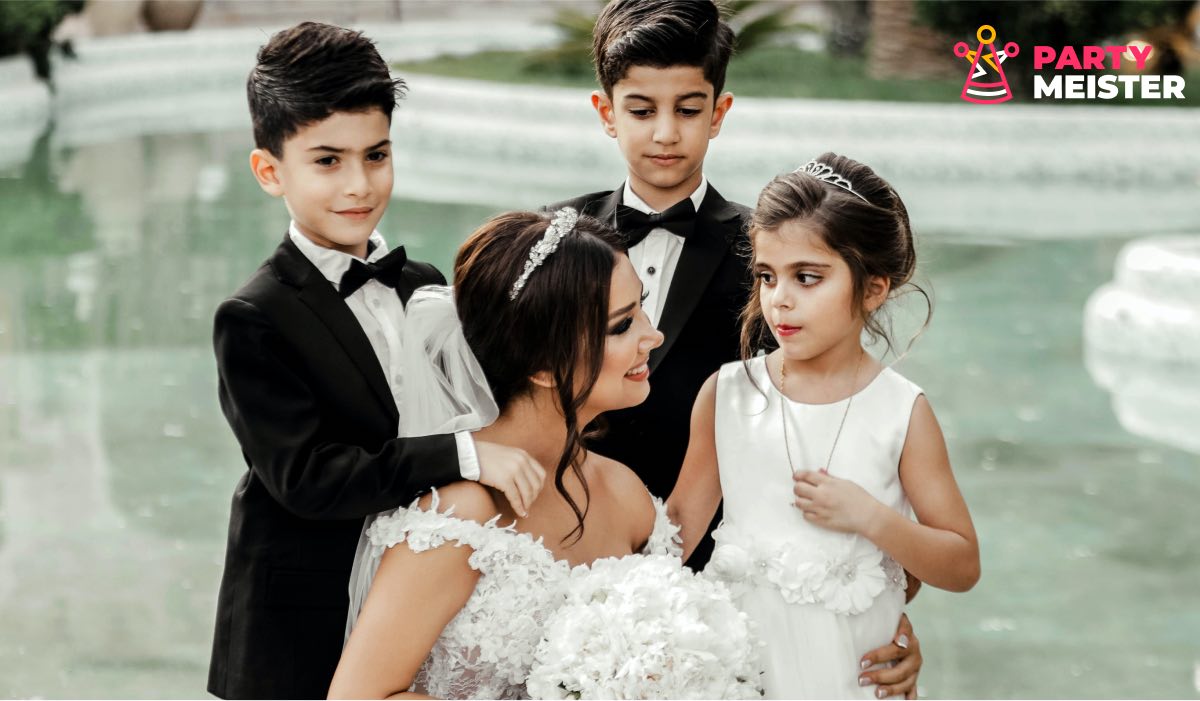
26,26
1051,22
755,25
755,29
1056,23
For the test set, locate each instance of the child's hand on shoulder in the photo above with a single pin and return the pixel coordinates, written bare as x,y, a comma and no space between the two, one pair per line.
834,503
511,471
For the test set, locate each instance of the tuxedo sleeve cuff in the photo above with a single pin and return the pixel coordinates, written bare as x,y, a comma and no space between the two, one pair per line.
468,459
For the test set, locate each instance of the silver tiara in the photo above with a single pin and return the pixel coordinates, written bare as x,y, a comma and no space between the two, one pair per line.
823,172
562,224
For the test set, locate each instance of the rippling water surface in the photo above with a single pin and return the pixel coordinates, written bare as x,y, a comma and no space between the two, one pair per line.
116,466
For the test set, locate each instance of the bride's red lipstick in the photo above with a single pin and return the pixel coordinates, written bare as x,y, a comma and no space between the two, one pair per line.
640,372
784,330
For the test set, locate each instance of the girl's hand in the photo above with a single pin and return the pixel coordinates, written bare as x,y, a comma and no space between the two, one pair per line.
834,503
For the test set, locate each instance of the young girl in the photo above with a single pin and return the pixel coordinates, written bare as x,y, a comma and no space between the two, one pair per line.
818,450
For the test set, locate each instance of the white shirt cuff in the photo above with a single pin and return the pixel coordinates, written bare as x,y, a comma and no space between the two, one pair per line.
468,459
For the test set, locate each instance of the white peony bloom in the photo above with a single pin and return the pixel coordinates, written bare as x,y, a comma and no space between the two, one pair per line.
643,627
730,562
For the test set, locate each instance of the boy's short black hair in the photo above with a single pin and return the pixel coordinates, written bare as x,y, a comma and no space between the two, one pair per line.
308,72
661,34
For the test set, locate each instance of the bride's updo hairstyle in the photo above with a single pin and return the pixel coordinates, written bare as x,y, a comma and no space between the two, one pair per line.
557,324
867,226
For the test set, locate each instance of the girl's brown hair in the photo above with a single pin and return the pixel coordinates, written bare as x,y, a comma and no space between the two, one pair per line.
874,237
557,324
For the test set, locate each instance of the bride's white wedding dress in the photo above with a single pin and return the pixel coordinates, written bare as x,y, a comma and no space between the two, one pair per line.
487,650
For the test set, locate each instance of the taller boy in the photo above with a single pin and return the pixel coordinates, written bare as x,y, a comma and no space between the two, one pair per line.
309,379
662,69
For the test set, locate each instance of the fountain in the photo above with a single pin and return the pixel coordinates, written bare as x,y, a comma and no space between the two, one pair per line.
1142,335
1064,172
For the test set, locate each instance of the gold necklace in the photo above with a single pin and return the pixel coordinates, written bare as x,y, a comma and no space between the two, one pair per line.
787,444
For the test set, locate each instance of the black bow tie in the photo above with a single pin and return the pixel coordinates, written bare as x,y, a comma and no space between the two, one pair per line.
679,219
386,270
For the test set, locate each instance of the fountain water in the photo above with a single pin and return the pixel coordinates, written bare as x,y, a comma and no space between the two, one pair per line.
1142,332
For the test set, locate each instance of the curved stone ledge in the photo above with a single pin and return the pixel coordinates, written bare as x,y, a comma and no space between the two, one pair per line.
170,63
1128,322
25,112
1162,268
1152,309
25,98
1159,400
1042,172
1020,171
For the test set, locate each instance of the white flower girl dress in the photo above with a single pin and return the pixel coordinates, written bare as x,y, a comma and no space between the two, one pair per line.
821,599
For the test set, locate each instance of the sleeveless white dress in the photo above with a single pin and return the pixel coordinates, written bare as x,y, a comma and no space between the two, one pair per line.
487,649
821,599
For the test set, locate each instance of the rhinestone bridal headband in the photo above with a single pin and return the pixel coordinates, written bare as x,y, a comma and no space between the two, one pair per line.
824,173
562,224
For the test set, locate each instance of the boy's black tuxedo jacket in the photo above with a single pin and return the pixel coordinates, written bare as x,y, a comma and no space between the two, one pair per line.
309,404
700,324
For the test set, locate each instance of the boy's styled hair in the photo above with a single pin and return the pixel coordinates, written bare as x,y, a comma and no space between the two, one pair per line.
308,72
661,34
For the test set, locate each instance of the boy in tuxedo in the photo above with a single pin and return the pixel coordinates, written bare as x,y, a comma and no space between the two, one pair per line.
661,66
307,358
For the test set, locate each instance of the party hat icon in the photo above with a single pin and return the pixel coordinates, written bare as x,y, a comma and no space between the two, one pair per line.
986,83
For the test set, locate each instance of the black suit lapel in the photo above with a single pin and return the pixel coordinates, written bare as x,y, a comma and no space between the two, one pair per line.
318,295
410,280
605,208
701,256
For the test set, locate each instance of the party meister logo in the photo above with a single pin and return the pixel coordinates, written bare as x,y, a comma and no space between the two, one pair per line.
1054,77
986,83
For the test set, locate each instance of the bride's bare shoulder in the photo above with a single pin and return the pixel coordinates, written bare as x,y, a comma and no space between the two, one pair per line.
471,501
630,498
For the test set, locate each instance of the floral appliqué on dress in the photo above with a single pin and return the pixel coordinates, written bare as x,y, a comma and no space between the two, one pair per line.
487,649
845,582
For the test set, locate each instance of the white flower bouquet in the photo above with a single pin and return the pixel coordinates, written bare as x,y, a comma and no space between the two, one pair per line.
644,627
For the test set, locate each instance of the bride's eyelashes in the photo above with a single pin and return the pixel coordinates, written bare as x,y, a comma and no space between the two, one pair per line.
627,322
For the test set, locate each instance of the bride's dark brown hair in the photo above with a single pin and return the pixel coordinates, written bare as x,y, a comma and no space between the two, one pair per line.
557,324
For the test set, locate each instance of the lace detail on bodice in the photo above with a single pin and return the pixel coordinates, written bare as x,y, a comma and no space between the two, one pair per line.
665,538
844,580
487,649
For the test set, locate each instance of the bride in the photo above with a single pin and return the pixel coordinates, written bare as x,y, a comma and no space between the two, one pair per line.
552,311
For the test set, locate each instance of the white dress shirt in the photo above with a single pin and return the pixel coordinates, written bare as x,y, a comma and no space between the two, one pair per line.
656,257
379,312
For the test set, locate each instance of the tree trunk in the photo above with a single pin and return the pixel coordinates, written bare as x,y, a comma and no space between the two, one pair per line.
901,48
170,15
